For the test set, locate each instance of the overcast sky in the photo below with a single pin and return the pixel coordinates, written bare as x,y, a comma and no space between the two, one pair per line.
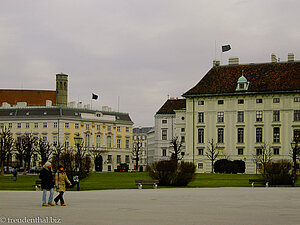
139,50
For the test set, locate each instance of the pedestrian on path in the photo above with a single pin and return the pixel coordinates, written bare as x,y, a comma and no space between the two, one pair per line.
15,173
60,182
47,183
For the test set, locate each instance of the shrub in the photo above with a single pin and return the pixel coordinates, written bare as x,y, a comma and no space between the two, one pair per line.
171,173
227,166
278,173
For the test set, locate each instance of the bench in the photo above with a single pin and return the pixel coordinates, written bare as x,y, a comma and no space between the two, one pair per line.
38,185
151,182
262,181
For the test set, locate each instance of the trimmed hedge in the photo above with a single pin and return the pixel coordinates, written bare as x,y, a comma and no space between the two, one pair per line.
227,166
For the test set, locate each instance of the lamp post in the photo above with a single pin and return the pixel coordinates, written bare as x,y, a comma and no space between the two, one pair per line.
78,142
295,152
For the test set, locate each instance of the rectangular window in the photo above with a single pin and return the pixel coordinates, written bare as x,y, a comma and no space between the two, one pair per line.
220,135
67,125
164,134
259,100
259,151
98,141
259,115
1,125
127,159
36,125
276,100
276,115
200,166
259,135
182,139
220,118
54,140
87,140
27,125
109,168
76,125
276,134
240,137
67,141
87,126
201,102
200,135
297,99
200,151
108,128
200,117
240,116
119,129
127,143
220,102
109,141
164,121
276,151
296,115
19,125
296,135
240,151
241,101
118,143
55,125
45,125
164,152
127,129
182,129
118,158
98,127
109,158
10,125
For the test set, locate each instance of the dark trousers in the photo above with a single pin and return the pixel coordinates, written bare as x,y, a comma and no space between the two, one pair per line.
60,197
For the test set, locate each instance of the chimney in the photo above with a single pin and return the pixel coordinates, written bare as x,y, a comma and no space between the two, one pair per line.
291,57
233,61
216,63
273,58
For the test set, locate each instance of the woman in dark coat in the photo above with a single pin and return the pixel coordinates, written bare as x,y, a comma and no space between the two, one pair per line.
47,183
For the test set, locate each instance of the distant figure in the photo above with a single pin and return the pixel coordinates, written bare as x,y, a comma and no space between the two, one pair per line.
60,182
47,183
15,173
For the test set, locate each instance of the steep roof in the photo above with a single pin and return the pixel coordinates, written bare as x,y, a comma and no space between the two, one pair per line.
263,78
32,97
141,130
171,105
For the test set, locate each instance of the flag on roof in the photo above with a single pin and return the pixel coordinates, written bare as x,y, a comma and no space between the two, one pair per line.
94,96
226,48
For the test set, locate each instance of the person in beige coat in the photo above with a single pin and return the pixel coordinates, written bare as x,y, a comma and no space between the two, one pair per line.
60,182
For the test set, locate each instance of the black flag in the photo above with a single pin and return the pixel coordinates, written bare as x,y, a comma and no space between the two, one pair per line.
94,96
226,48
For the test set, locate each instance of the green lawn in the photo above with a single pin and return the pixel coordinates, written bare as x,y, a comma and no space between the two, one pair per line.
102,181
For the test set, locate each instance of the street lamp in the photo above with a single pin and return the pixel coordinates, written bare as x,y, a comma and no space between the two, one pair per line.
78,142
295,151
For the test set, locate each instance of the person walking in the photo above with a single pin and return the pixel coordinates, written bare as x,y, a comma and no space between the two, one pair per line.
47,183
60,182
15,173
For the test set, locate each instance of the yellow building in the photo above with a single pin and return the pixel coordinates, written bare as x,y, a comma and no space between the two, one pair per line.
105,134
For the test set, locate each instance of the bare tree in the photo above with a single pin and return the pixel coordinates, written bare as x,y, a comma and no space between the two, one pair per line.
6,146
19,151
57,150
263,155
212,153
28,142
44,150
136,151
176,152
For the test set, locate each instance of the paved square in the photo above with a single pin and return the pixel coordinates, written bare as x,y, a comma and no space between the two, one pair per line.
207,206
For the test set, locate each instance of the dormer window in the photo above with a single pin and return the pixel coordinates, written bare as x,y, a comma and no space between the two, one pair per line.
243,83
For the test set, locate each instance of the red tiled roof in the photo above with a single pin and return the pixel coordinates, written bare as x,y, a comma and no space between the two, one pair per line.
32,97
171,105
263,78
